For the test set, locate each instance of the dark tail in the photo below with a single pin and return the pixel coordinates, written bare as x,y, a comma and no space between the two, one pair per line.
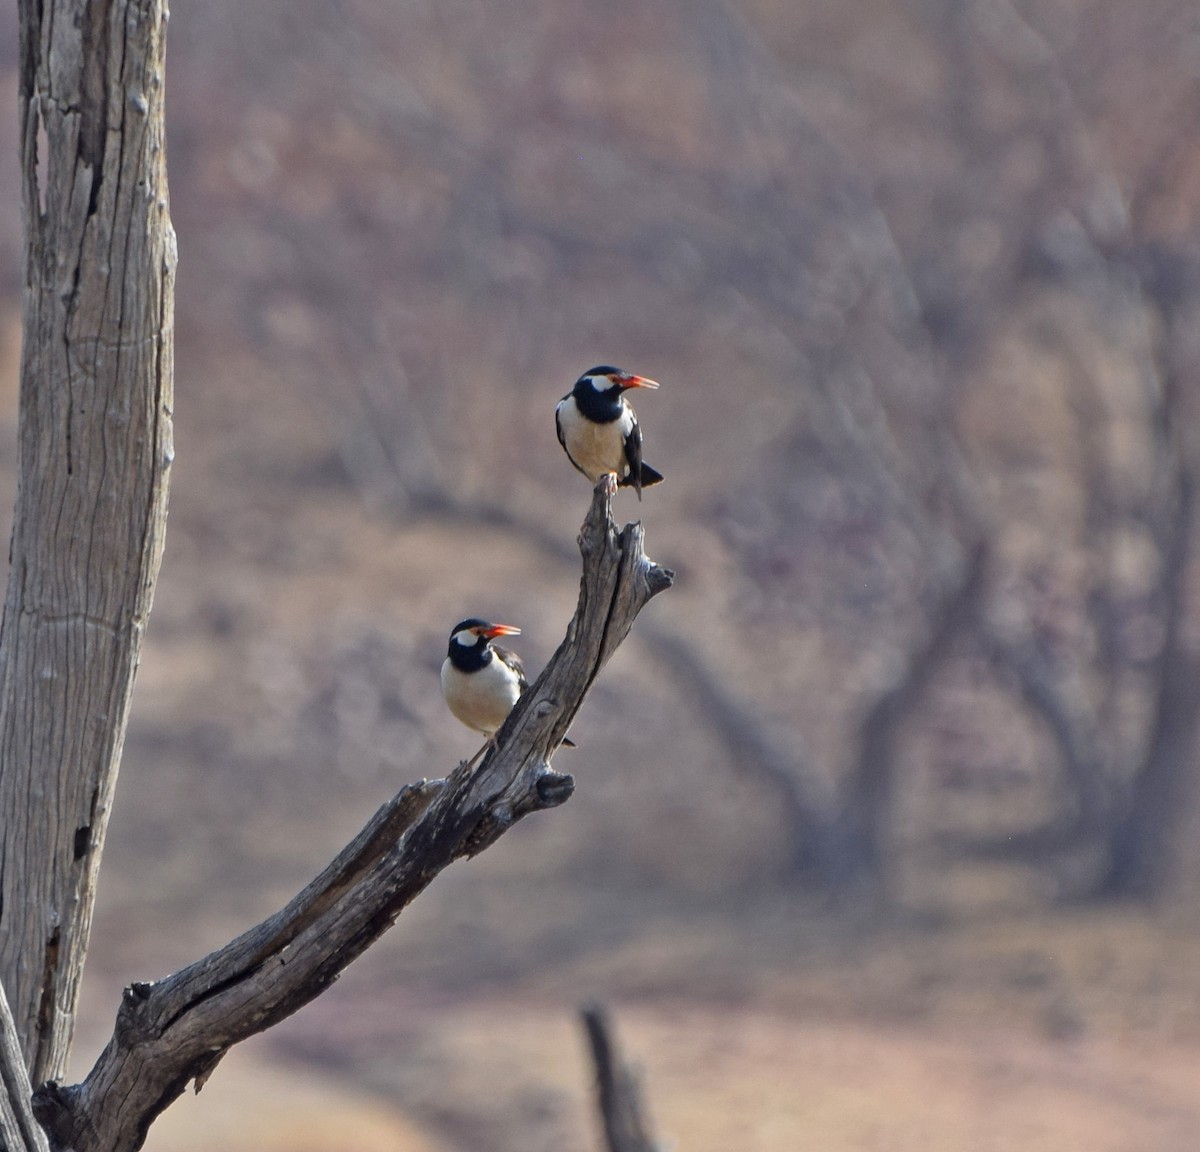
650,476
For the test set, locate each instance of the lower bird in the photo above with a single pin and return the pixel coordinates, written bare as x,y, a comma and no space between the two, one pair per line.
480,680
599,430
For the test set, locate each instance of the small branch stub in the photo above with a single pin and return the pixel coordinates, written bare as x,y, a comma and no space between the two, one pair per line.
618,1088
555,788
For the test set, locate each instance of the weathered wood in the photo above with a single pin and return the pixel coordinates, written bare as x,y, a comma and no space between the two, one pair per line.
95,445
618,1089
19,1131
173,1031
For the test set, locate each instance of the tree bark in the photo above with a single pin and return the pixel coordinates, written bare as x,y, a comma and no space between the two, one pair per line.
19,1130
95,446
176,1030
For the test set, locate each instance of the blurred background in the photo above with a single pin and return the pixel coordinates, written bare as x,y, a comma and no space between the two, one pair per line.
885,834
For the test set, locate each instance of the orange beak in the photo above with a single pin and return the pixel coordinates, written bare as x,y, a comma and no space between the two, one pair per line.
494,630
628,380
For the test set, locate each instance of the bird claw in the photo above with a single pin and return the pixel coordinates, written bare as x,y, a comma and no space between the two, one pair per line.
608,484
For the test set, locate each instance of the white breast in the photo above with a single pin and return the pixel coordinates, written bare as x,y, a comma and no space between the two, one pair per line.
481,700
595,448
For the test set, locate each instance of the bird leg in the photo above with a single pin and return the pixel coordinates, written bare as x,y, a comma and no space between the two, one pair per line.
490,742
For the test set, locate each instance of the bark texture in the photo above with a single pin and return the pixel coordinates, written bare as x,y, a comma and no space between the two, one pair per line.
175,1030
95,446
19,1130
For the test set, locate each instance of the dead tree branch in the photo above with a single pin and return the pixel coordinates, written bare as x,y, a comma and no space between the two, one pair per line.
175,1030
618,1088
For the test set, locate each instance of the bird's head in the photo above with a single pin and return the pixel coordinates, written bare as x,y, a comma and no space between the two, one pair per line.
476,633
604,379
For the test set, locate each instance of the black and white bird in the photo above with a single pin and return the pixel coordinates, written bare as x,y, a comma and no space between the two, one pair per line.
480,680
599,430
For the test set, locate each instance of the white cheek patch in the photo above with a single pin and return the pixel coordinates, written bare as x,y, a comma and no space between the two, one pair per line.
601,383
465,638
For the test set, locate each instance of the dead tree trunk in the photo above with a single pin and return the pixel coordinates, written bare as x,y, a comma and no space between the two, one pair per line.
95,446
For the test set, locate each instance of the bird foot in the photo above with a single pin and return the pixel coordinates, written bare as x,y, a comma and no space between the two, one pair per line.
488,743
608,484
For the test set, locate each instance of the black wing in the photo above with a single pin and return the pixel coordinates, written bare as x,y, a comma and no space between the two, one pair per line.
509,657
641,475
633,453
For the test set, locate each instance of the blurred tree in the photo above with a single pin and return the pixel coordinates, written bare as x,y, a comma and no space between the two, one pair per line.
989,491
1097,648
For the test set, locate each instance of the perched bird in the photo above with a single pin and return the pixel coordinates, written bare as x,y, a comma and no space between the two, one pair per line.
480,680
599,430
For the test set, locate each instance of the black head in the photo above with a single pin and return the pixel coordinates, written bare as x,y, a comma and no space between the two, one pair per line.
472,625
474,635
605,380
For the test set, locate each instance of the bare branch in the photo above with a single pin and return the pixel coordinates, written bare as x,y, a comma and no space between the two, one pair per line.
618,1088
175,1030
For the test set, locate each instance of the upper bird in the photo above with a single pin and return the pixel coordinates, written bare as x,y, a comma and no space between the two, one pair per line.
599,430
480,680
